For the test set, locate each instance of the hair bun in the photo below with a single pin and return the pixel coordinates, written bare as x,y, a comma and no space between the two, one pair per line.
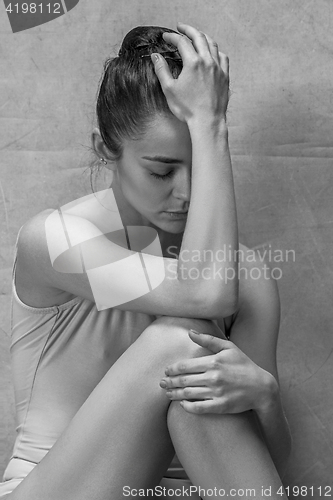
144,40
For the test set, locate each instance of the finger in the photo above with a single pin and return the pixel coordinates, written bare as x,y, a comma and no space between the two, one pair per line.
200,407
189,393
198,38
224,63
214,48
195,365
183,44
184,381
212,343
162,70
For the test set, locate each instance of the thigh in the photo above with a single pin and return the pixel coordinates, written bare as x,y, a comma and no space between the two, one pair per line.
120,433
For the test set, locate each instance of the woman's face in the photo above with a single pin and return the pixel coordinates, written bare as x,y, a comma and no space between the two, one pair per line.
153,177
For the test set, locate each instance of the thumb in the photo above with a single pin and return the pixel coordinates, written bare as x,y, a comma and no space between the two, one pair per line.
212,343
162,70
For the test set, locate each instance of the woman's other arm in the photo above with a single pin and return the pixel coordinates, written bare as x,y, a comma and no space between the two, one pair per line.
116,277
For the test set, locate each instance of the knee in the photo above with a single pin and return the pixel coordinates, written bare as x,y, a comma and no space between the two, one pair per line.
171,325
168,337
204,325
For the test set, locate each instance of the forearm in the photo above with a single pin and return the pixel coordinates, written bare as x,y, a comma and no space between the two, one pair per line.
211,228
275,428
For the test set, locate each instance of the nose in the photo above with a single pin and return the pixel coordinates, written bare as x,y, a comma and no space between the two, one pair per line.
182,187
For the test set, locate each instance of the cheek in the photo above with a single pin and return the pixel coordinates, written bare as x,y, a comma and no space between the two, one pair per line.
132,183
142,190
154,195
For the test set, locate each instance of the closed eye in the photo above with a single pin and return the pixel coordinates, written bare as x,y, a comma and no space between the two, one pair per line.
162,177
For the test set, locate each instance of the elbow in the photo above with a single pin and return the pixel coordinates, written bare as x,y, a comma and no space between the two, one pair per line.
215,302
225,307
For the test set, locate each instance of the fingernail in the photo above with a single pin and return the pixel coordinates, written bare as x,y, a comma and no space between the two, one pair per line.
194,331
169,394
155,57
163,384
166,371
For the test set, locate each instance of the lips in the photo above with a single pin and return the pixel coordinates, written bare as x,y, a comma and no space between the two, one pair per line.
177,211
177,215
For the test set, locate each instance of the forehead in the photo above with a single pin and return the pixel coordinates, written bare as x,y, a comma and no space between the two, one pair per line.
165,135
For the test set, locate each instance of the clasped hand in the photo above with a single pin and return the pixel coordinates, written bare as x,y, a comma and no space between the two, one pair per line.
228,381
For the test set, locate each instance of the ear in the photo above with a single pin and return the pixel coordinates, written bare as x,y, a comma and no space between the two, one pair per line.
101,150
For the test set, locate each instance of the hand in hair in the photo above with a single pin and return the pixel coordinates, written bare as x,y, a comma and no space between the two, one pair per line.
202,88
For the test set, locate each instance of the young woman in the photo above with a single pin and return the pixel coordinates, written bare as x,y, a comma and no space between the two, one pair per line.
109,380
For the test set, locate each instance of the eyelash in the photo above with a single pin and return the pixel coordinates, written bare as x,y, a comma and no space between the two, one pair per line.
162,177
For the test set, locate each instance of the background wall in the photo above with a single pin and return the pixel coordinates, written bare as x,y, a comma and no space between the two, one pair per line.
280,120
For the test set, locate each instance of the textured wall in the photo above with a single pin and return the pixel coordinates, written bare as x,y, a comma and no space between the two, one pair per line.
280,133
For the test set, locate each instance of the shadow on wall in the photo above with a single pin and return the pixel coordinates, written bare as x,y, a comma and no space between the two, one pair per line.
284,192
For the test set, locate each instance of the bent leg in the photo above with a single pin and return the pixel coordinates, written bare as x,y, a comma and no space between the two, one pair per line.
119,436
224,451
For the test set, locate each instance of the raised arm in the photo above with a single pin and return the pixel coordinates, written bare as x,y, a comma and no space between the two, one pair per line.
198,97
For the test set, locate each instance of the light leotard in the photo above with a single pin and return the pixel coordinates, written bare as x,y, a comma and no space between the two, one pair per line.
58,355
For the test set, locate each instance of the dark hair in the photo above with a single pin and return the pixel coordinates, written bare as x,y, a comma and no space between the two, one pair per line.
130,93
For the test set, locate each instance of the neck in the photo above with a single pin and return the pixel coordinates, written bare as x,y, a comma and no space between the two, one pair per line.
170,243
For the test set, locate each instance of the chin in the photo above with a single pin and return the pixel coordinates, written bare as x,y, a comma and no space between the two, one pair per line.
174,227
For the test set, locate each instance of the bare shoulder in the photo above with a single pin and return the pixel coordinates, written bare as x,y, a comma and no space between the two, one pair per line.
31,236
33,266
32,248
